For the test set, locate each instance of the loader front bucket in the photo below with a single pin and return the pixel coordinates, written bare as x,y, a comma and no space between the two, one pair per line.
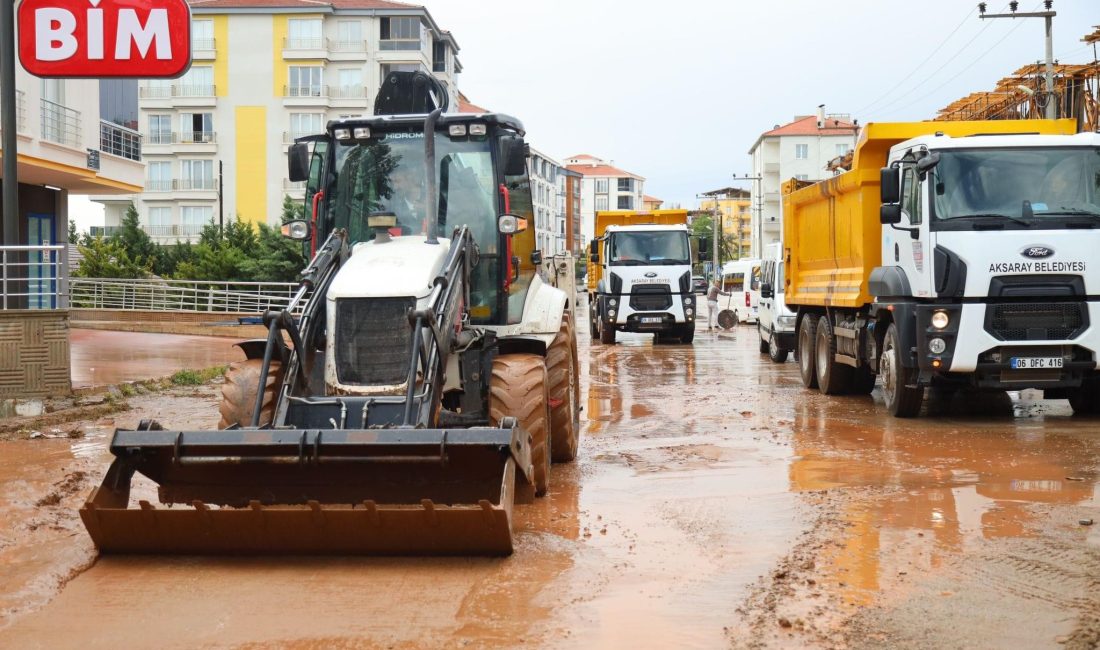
311,492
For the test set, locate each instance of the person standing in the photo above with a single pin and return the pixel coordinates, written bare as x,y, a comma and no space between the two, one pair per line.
712,303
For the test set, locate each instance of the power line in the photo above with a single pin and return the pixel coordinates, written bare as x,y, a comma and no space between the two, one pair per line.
919,65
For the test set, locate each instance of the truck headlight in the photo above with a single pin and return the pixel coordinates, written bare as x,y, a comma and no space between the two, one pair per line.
785,320
689,312
612,302
937,346
940,320
611,313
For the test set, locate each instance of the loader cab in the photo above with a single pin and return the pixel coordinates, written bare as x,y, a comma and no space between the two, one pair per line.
372,165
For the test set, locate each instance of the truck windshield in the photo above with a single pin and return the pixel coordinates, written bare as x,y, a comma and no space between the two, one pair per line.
647,248
387,175
1016,188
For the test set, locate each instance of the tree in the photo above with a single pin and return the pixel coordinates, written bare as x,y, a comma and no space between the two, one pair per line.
292,209
106,258
276,258
73,237
133,239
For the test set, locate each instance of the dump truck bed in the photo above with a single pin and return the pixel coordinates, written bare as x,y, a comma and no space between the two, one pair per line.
831,230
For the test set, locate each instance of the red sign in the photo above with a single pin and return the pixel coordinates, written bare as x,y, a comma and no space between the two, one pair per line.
105,38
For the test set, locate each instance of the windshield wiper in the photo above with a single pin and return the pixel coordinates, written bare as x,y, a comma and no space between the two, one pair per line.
1075,212
994,215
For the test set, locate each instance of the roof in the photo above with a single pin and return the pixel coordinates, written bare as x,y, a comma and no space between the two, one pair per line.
727,193
303,4
466,106
601,170
807,125
651,199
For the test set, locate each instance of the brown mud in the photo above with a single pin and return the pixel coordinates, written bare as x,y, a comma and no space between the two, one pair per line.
103,358
714,503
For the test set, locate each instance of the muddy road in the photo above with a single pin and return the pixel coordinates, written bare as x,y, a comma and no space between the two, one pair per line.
715,503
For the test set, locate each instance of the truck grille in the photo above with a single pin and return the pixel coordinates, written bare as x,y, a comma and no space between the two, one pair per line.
650,297
372,340
1052,321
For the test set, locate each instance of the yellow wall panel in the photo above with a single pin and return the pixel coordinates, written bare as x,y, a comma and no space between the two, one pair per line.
221,63
251,172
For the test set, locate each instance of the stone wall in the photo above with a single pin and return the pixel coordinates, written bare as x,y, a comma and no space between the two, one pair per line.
34,353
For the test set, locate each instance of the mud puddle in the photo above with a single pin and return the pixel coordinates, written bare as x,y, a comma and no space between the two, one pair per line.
102,358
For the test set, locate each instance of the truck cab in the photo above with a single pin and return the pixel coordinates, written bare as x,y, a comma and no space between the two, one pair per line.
643,282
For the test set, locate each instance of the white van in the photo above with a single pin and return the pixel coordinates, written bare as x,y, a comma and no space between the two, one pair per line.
776,322
742,279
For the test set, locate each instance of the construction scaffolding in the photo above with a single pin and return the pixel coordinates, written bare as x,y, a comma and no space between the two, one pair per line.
1022,95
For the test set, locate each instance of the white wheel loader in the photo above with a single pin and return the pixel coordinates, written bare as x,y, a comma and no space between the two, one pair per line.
421,380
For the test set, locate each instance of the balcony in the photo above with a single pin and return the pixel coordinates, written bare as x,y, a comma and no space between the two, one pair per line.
187,137
61,124
186,94
400,44
349,92
312,95
290,136
305,48
294,186
347,50
204,49
173,230
191,184
158,186
119,141
103,231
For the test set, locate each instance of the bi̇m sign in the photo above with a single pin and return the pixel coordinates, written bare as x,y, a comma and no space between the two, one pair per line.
105,38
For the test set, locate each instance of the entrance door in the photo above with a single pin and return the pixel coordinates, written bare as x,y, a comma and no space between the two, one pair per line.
41,272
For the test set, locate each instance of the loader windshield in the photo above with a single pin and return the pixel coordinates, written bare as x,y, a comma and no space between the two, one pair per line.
1016,188
387,174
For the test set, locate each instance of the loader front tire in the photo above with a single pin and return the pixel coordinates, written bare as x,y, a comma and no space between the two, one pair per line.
561,373
242,380
518,388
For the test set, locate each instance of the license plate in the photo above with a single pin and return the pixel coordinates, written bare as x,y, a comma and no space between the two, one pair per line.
651,319
1035,363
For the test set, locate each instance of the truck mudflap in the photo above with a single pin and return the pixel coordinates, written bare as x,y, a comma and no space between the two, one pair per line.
313,492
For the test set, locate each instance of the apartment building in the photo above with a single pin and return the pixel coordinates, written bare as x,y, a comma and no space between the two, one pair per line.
799,149
734,208
548,201
571,183
265,72
604,187
651,202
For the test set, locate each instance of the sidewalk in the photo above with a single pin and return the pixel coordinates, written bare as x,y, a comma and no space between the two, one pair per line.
101,357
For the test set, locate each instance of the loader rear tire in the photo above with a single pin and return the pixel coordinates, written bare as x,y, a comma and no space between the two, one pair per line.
242,380
519,389
561,373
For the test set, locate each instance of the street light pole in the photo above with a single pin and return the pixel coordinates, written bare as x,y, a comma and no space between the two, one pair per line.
1051,109
9,125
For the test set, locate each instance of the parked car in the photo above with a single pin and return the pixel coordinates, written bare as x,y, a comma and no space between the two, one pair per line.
698,284
775,323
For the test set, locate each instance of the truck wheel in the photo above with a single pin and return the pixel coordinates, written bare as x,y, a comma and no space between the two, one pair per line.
1086,399
902,400
776,353
607,333
807,336
242,380
561,372
833,377
687,333
518,388
764,347
593,319
863,381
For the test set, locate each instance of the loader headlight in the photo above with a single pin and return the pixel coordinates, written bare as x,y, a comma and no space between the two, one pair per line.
478,129
457,130
937,346
342,134
940,320
361,133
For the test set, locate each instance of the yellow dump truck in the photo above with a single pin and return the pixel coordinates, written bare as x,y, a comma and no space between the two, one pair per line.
639,275
951,254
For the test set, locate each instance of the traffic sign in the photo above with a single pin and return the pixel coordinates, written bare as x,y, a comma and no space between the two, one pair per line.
105,38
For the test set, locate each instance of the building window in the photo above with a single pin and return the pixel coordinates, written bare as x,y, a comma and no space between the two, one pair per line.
351,83
160,129
160,221
304,34
202,34
198,82
439,56
196,174
401,33
193,218
302,124
601,186
387,68
349,35
601,203
626,202
306,81
801,177
802,151
196,127
626,184
160,177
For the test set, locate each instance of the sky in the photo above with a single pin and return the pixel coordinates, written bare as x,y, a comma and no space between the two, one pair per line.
678,92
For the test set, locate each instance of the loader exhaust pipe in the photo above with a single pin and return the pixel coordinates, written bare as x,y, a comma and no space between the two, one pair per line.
429,162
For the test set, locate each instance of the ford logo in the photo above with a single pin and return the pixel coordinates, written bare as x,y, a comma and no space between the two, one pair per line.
1037,252
651,274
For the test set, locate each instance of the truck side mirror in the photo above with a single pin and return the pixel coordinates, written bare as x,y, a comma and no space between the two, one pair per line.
297,158
594,251
766,290
889,214
928,162
890,185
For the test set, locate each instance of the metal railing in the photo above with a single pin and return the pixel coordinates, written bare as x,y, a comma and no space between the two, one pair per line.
60,124
193,90
194,137
20,111
203,44
349,92
173,230
195,184
181,295
305,91
315,43
348,46
293,185
119,141
158,186
290,136
33,277
103,231
155,92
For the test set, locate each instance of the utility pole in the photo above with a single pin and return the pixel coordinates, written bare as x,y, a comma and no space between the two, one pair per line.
10,211
1051,108
221,201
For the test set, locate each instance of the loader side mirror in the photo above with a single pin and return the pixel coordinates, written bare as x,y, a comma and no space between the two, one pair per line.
890,185
298,230
889,214
297,159
766,290
514,154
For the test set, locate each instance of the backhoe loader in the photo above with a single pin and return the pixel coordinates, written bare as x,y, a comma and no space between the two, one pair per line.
420,381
